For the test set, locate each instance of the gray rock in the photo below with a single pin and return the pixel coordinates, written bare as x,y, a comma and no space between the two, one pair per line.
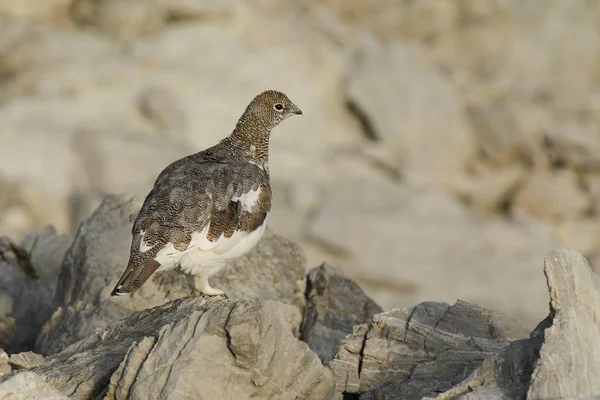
421,350
273,271
334,304
28,278
5,369
196,347
572,340
505,375
26,360
29,385
568,340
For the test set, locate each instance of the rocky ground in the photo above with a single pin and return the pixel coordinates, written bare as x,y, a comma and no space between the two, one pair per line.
446,146
283,333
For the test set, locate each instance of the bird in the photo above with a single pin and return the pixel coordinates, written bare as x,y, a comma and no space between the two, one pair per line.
210,207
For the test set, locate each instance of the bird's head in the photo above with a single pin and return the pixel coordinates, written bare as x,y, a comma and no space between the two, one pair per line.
271,107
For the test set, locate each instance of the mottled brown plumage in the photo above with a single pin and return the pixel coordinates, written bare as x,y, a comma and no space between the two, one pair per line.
207,190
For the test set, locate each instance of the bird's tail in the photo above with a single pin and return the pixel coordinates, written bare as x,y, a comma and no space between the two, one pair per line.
134,277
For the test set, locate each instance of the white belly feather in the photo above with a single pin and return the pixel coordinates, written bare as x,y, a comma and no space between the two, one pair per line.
204,257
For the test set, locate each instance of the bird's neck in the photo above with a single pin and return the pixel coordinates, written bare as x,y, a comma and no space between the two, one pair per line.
250,139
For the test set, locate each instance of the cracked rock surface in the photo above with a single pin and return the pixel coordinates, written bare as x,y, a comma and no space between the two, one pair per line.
420,350
561,358
572,341
196,347
442,352
335,304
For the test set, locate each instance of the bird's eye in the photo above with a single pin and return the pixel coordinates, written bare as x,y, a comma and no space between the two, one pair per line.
278,107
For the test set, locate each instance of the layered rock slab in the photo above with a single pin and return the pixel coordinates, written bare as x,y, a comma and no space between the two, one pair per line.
558,360
421,350
195,347
572,340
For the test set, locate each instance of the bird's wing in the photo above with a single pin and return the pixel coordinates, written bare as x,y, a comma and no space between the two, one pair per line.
214,199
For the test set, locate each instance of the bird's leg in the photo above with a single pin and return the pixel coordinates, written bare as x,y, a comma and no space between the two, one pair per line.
202,286
192,285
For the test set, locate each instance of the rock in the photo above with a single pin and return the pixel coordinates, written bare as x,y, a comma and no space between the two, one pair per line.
29,385
120,17
26,360
419,351
5,369
188,10
390,19
27,283
273,271
541,367
572,340
491,191
334,305
191,348
54,12
540,198
576,147
433,150
490,262
162,109
500,138
580,235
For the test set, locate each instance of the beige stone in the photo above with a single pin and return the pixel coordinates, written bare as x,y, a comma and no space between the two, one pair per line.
428,146
406,244
492,190
125,18
54,12
553,196
572,342
29,385
580,235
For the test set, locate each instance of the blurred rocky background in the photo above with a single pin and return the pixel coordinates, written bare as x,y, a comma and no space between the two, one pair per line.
445,147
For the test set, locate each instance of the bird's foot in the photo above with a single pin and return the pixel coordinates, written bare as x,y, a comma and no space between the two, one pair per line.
209,291
201,287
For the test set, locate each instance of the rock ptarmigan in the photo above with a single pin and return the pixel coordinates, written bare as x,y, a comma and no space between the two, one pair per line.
210,207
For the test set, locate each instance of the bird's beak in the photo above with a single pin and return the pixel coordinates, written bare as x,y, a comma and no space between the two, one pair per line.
295,110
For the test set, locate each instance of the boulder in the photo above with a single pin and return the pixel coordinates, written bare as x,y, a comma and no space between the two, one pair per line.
421,350
26,360
195,347
416,240
28,385
334,304
51,12
571,340
28,278
5,369
542,366
128,18
538,196
428,148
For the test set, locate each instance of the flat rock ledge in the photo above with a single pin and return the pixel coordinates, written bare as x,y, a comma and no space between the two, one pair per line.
283,333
